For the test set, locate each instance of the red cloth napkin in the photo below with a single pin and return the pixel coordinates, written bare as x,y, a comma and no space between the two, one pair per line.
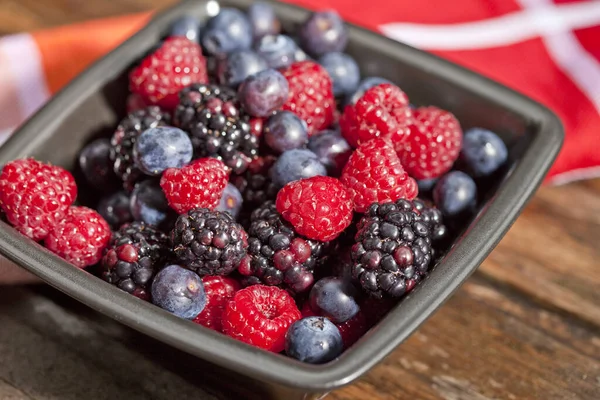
546,49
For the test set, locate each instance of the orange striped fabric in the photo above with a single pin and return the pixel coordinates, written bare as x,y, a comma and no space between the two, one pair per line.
34,66
65,52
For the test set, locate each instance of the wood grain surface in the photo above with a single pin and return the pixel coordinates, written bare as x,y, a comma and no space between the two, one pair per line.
525,326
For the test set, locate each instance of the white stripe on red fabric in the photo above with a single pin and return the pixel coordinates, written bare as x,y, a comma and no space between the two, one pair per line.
575,175
565,49
498,31
4,134
25,64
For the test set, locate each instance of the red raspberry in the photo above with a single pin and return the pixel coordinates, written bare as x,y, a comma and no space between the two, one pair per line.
383,111
80,238
433,145
199,184
374,174
219,290
319,208
261,316
311,95
35,196
175,65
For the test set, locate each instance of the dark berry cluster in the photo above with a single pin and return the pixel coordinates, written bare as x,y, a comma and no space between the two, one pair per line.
208,242
277,255
125,137
135,254
213,118
393,249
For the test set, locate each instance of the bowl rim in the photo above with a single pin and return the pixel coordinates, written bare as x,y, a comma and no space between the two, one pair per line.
475,244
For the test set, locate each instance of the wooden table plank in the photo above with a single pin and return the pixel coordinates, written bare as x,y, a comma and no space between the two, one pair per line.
525,327
552,251
490,344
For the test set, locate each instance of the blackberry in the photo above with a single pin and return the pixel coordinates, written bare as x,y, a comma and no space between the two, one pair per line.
208,242
124,138
277,255
393,248
212,117
255,185
135,254
433,217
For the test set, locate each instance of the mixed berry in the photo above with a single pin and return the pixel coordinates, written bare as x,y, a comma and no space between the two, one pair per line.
259,187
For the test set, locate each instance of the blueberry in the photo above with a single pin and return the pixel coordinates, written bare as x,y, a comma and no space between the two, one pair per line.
186,26
239,65
157,149
363,86
279,51
323,32
231,201
300,55
96,166
179,291
294,165
115,209
285,131
455,193
483,152
334,298
263,93
332,150
314,340
343,71
228,31
426,185
148,203
263,20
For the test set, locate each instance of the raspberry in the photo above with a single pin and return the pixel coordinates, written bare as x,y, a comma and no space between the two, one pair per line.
80,238
197,185
433,145
35,196
319,208
260,316
310,95
160,76
219,290
383,111
374,174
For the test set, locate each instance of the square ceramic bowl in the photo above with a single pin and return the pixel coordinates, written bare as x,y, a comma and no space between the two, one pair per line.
95,102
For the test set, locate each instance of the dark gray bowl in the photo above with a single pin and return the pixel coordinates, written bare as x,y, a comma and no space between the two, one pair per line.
94,103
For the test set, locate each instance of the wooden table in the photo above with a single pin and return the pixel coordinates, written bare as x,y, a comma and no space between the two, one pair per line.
525,326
